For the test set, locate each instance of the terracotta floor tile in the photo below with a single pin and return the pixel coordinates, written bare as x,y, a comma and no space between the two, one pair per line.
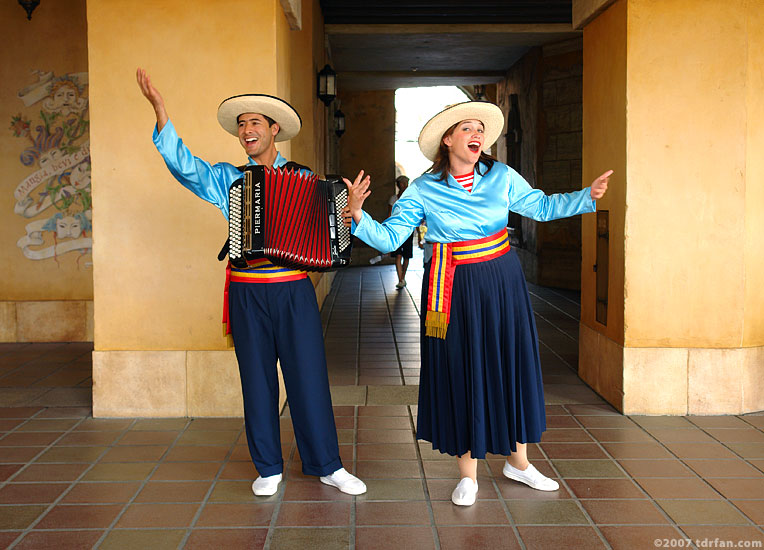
137,453
76,516
198,453
386,436
29,439
206,437
592,410
384,423
669,488
477,538
387,469
390,451
619,435
48,425
393,489
748,450
155,539
587,468
104,424
205,539
238,491
718,421
239,470
700,450
7,470
81,438
739,488
174,491
656,468
236,515
569,537
754,509
729,435
159,424
59,540
328,538
385,538
18,412
147,437
632,537
448,469
636,450
11,455
512,490
624,511
573,450
383,410
100,493
116,471
158,515
562,422
483,512
605,488
311,490
185,471
392,513
694,512
31,493
20,517
709,468
65,412
71,454
571,435
546,512
314,514
7,424
606,421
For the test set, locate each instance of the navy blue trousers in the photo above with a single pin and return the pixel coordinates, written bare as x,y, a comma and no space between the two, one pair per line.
280,321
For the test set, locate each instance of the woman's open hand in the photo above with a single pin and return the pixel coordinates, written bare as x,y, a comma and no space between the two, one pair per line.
599,186
357,193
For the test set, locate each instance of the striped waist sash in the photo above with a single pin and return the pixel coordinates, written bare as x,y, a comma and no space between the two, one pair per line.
445,258
258,271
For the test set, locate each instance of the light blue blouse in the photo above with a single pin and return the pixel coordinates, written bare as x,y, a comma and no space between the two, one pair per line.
207,181
454,215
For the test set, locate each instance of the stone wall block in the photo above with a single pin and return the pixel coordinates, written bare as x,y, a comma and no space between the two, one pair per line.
569,146
753,375
7,321
655,381
214,385
556,176
53,321
715,381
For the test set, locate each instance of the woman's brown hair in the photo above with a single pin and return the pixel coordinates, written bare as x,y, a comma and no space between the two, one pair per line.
441,165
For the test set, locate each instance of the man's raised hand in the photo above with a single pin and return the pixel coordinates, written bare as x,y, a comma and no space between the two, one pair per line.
154,97
357,193
599,186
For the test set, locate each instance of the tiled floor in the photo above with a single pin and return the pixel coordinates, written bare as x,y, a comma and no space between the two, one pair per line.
71,481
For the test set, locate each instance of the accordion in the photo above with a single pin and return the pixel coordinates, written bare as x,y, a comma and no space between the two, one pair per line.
292,218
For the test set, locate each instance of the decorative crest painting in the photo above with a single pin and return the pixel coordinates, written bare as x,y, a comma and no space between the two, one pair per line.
55,196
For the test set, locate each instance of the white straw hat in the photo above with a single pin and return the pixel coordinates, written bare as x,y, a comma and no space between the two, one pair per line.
274,108
487,113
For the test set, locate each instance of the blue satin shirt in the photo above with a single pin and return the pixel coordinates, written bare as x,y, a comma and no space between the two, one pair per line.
454,215
207,181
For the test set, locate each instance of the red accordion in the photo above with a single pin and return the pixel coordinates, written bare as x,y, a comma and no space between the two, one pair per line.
292,218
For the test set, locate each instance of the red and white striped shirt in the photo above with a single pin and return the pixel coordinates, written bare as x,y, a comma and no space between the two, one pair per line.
466,181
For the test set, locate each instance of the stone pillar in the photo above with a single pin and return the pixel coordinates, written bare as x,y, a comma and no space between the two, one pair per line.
674,103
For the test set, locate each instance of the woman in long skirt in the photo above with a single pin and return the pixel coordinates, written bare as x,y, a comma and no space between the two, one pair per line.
480,385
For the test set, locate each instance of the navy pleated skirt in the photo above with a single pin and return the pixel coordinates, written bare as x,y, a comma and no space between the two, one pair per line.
480,389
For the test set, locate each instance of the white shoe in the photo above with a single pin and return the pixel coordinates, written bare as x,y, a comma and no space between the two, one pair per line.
465,493
345,482
266,486
400,285
375,259
531,477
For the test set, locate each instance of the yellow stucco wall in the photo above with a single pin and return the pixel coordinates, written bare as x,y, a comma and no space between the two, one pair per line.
686,192
49,298
691,199
753,319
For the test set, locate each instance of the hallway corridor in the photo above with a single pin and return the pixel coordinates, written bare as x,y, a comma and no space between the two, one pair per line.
70,481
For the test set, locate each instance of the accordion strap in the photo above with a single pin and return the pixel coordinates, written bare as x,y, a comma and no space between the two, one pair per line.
290,165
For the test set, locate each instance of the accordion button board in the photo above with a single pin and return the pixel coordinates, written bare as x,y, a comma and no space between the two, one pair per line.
290,217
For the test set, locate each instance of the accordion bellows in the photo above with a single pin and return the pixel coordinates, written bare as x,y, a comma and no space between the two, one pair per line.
292,218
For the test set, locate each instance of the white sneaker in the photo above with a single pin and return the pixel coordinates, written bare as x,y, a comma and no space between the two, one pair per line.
465,493
266,486
531,477
375,259
400,285
345,482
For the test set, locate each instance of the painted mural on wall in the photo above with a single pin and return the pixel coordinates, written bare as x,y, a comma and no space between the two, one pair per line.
55,195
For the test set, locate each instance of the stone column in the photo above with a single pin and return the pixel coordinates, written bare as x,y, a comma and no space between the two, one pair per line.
674,103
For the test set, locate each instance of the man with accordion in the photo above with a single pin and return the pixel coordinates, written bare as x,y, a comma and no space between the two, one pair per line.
267,306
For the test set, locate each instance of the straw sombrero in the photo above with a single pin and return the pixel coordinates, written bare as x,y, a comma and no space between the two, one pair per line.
279,110
487,113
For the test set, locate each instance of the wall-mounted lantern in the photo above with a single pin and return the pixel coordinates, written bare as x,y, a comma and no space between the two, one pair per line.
327,85
339,123
29,6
